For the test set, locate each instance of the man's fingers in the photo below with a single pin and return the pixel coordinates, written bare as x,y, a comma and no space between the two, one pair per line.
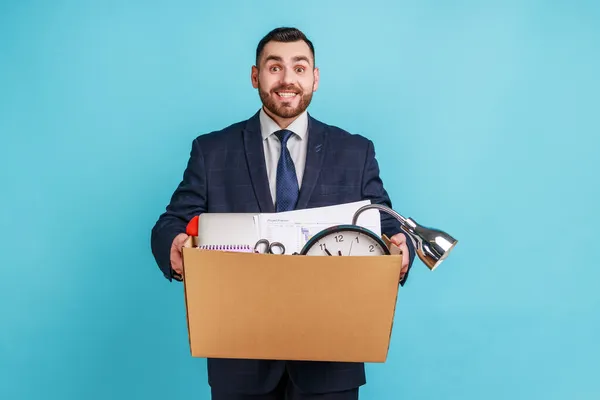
176,260
405,255
398,239
176,252
404,268
179,240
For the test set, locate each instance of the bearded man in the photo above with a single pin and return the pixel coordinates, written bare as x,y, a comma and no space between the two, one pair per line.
280,159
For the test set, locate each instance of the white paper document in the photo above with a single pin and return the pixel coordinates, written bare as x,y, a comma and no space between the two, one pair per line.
295,228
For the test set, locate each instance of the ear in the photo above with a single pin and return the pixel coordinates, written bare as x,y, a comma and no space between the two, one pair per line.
316,76
254,77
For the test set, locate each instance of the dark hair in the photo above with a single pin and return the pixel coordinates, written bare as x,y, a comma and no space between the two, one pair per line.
286,35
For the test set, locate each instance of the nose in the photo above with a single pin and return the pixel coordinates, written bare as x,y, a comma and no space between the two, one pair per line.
288,76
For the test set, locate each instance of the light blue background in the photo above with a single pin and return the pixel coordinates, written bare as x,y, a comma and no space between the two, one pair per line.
485,120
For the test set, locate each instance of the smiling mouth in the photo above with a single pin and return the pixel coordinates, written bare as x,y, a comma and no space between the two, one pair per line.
286,95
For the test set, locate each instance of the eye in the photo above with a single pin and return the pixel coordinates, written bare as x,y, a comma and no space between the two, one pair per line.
275,68
300,69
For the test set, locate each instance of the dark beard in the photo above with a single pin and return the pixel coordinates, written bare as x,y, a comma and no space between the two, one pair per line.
284,110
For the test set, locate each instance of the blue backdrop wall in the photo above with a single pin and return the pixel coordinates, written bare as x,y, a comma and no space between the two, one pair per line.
485,121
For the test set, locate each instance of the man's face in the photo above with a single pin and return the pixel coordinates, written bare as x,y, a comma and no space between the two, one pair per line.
286,78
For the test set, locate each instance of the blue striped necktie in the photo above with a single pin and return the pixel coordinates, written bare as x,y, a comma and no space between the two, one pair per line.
287,181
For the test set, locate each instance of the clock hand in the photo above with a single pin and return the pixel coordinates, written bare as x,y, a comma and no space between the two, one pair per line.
340,252
327,251
350,251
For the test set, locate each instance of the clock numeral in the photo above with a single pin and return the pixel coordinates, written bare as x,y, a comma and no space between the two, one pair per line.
371,248
323,246
357,240
339,238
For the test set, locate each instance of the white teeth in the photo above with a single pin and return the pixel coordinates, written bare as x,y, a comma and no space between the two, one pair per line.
286,94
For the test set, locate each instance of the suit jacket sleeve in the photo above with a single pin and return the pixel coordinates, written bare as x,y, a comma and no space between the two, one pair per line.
188,200
372,189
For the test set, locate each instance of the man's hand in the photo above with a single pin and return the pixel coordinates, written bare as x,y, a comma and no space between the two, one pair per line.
399,240
176,253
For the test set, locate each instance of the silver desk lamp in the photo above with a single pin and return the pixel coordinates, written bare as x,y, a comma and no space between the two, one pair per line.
432,245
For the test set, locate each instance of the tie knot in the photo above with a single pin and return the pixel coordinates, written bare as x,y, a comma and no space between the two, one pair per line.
283,136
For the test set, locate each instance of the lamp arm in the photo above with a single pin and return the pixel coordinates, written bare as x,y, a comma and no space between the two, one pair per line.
405,222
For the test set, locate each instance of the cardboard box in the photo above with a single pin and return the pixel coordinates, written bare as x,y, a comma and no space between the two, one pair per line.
290,307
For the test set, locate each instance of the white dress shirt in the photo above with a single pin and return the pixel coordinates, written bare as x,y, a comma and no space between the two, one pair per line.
297,145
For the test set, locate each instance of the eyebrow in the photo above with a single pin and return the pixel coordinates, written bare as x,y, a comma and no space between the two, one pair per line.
272,58
278,58
301,58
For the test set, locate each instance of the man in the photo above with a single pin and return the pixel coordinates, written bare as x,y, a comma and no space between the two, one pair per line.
280,159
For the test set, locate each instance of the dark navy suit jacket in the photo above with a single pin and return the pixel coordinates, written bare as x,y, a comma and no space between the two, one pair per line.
226,172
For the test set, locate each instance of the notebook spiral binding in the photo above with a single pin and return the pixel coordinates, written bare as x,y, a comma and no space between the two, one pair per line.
243,248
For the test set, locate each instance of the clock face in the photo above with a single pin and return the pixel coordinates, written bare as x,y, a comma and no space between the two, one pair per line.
345,240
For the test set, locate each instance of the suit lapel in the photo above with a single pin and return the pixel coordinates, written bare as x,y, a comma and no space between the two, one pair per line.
314,159
256,164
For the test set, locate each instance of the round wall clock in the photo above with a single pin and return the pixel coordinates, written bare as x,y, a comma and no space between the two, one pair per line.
345,240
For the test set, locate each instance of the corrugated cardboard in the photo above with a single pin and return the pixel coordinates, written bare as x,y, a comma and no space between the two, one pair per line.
290,307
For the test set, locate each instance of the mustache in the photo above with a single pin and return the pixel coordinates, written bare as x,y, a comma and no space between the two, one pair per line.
288,88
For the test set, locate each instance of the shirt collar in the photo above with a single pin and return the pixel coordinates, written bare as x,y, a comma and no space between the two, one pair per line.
268,126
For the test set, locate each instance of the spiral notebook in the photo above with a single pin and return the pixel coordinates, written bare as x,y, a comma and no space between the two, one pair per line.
238,248
235,232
